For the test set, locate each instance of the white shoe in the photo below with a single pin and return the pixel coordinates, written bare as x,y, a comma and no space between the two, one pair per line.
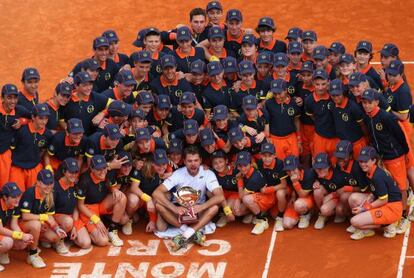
351,229
339,219
61,247
1,268
114,239
260,226
320,222
279,224
304,221
222,221
127,228
4,258
36,261
403,225
360,234
390,231
45,244
247,219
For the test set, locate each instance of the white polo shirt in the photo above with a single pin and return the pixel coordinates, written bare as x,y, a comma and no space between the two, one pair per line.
203,181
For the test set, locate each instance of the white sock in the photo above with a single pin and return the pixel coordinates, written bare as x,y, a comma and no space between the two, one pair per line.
188,233
183,228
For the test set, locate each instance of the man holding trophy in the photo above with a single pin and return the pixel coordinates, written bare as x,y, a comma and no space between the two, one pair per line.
188,199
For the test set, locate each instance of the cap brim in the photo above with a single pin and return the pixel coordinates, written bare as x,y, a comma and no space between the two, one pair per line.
319,57
144,60
363,158
207,142
392,72
277,91
101,45
341,155
168,65
336,93
161,161
142,138
138,43
289,168
100,166
320,165
217,36
244,163
280,64
129,83
364,49
219,117
183,38
249,106
116,136
76,130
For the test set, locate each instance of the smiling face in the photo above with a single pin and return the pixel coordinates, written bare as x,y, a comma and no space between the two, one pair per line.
31,86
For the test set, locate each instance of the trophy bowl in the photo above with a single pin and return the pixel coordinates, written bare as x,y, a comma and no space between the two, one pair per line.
187,197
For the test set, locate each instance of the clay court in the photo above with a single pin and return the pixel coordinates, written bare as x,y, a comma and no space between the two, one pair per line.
54,35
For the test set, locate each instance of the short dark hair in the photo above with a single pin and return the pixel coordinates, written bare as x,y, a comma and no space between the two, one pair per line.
197,11
191,150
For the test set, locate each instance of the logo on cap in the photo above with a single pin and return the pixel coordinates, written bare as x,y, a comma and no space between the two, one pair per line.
233,133
264,20
319,159
216,31
160,155
48,175
167,60
213,67
111,34
189,126
233,13
43,108
245,66
288,162
334,45
307,33
334,86
340,149
99,160
241,156
182,32
230,63
101,40
31,72
364,43
204,136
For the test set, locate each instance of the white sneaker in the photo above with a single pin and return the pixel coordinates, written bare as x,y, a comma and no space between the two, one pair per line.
247,219
351,229
127,228
260,226
279,224
390,231
46,244
61,247
1,268
222,221
36,261
304,221
403,225
320,222
339,219
4,258
114,239
360,234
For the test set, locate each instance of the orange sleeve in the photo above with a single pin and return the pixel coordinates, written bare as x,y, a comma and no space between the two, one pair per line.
240,183
220,143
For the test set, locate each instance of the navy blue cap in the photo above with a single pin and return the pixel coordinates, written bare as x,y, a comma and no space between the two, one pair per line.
249,102
280,59
184,34
145,97
126,77
243,158
336,87
71,165
249,39
214,5
234,14
267,148
337,48
320,52
198,66
220,112
126,154
9,89
396,67
390,49
218,154
246,67
356,78
168,61
370,95
277,86
151,31
367,153
118,108
142,134
294,33
346,58
30,73
99,42
321,161
320,73
163,102
82,77
343,149
98,162
214,68
216,32
267,22
64,89
45,177
230,65
11,189
309,35
90,64
307,66
364,46
138,113
175,146
190,127
265,57
110,35
41,109
160,157
295,47
112,131
139,41
74,125
188,98
290,163
142,56
206,137
235,134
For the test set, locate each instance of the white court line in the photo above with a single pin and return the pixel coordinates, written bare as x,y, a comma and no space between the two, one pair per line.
403,253
270,252
404,62
409,257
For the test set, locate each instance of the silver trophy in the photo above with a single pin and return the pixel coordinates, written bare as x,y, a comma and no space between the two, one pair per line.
187,197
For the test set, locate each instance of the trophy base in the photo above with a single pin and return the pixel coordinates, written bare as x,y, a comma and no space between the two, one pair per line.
187,219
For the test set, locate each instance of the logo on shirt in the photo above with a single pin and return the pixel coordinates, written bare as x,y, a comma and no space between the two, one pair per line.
390,99
345,117
378,214
178,93
107,76
352,182
291,111
332,186
378,126
41,143
158,69
90,109
291,90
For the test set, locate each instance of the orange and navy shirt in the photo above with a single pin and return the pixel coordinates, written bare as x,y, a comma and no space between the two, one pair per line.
399,97
383,185
93,190
32,202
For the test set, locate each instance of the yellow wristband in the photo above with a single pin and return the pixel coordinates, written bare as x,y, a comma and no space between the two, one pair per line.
43,217
145,197
227,210
95,219
17,235
243,128
49,167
